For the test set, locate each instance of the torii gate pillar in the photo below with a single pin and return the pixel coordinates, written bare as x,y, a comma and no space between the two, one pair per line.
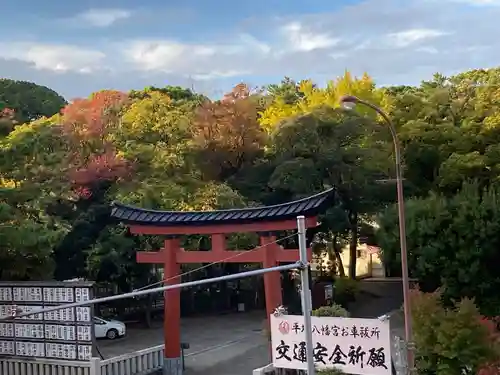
172,364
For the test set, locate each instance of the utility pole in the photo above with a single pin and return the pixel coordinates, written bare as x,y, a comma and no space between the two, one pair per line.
305,293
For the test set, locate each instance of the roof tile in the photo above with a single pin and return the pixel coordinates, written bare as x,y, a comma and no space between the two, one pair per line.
309,206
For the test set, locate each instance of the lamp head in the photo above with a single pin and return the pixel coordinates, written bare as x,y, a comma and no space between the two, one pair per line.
348,102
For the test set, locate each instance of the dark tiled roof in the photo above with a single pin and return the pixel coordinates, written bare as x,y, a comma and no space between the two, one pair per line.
309,206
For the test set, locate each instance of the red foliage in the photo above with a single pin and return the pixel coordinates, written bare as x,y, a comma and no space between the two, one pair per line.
83,192
240,91
492,325
102,167
7,120
92,117
7,113
87,124
228,133
491,369
454,336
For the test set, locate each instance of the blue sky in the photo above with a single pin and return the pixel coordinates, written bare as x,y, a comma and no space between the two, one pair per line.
79,47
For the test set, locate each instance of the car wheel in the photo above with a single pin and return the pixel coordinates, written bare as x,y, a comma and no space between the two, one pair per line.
112,334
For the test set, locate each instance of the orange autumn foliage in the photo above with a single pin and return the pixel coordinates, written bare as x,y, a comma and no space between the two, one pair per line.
227,133
87,124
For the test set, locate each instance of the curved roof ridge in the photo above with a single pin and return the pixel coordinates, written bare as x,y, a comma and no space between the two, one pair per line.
228,210
311,205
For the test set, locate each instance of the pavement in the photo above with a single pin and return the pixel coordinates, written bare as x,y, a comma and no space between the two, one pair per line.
234,344
243,364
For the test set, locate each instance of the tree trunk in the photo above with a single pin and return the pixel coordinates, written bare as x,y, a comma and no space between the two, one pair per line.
353,245
338,258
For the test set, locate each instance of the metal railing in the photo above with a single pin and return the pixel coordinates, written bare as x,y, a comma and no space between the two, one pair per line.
143,362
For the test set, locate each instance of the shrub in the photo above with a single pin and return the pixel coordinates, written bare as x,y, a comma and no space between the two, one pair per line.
346,290
333,310
490,369
450,341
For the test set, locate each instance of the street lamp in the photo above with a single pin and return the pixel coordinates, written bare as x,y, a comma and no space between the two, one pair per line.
349,102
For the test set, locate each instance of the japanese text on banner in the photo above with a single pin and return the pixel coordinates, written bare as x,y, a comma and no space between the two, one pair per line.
356,346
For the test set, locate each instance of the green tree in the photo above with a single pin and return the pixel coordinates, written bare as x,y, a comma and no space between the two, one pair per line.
26,239
28,100
449,130
452,243
31,161
332,148
288,91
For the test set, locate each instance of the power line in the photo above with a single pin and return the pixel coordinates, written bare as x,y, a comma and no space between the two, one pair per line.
148,290
298,264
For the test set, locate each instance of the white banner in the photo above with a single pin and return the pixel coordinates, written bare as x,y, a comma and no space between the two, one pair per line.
356,346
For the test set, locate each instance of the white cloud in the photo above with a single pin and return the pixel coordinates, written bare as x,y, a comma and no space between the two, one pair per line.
101,17
199,61
427,50
301,39
408,37
165,55
59,58
251,41
395,42
218,74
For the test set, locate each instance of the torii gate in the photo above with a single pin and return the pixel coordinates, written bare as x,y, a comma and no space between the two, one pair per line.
173,224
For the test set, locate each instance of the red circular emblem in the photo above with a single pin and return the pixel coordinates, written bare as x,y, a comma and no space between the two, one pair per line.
284,327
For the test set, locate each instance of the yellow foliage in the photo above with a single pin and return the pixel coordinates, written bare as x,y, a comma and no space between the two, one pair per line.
8,183
313,97
147,114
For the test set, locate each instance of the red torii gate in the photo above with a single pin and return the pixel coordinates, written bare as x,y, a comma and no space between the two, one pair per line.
173,224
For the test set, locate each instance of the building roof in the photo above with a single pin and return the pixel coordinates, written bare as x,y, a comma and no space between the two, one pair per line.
310,206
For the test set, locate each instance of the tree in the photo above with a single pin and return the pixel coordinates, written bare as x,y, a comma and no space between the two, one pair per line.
170,148
357,136
28,100
227,134
94,168
177,94
7,121
308,97
288,91
31,161
449,130
88,125
26,239
452,339
452,243
332,148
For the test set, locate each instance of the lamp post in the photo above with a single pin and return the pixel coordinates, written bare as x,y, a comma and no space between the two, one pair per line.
349,102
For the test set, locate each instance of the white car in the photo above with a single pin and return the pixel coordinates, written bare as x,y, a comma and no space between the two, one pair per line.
110,329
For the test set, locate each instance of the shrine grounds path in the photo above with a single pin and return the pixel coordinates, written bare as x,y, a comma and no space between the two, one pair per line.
214,341
234,344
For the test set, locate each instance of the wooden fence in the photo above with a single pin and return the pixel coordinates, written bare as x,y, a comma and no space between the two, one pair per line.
141,362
